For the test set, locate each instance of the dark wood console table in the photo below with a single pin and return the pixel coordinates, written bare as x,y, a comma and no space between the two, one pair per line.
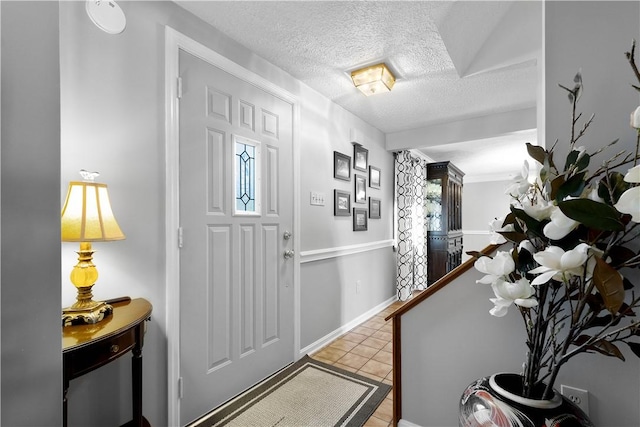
88,347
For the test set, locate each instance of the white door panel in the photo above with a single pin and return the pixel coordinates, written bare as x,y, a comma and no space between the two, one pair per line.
236,287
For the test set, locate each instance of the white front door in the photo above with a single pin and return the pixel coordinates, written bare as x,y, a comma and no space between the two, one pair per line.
236,213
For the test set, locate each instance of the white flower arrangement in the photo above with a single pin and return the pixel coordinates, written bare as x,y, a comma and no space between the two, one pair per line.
570,231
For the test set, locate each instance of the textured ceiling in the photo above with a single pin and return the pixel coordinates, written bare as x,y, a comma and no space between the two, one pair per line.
452,60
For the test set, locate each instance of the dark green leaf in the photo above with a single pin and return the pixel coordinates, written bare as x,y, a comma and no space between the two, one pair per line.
533,226
609,283
579,162
537,153
582,339
512,219
571,158
599,321
627,284
555,186
626,310
635,347
592,214
513,236
524,261
596,304
573,187
583,162
614,181
509,219
619,255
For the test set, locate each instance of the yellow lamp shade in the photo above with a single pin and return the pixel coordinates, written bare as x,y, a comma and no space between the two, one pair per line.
373,79
87,214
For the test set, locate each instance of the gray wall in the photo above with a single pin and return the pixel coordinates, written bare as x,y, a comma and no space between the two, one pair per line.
447,342
30,172
481,203
333,281
112,107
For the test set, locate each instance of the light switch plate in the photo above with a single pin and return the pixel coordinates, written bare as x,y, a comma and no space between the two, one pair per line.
317,198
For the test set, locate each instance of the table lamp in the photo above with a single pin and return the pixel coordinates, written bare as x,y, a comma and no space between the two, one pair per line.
87,217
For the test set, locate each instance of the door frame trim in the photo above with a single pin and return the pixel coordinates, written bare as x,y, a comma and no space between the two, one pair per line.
174,42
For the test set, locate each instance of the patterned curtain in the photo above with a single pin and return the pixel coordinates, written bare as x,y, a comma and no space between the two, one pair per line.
411,226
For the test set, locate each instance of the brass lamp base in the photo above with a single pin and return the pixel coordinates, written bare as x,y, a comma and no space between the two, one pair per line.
83,276
86,313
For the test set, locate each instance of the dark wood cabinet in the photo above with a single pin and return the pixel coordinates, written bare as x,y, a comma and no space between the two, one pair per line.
444,219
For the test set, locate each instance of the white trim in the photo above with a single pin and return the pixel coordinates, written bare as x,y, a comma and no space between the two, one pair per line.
405,423
322,342
495,177
476,232
320,254
174,42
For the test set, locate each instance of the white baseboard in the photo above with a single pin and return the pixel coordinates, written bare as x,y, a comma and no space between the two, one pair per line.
322,342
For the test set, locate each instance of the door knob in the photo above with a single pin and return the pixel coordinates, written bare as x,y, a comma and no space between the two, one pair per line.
288,254
286,235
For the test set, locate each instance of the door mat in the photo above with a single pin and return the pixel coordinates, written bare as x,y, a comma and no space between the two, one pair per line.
306,393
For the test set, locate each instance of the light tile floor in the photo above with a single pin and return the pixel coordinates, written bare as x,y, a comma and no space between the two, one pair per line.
366,350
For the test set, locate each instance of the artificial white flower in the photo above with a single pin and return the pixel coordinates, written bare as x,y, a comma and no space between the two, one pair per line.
633,174
507,293
528,246
520,183
555,263
560,225
629,202
501,307
494,268
541,210
494,227
635,119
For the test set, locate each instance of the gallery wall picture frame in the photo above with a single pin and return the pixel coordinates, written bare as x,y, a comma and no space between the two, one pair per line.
360,222
341,203
374,208
360,189
374,177
360,157
341,166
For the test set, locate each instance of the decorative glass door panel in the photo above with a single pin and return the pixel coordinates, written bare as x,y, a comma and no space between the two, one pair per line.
246,176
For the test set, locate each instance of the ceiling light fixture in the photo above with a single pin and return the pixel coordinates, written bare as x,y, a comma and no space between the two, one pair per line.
373,79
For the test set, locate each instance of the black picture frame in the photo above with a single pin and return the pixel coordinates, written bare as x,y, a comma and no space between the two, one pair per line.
341,203
341,166
360,189
374,208
360,221
374,177
360,158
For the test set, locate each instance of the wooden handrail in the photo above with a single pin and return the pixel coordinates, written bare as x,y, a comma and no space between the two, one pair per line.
439,284
396,324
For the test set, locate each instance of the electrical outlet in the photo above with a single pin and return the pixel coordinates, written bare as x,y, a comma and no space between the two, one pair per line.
576,395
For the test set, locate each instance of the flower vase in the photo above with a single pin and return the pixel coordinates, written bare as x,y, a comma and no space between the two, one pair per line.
496,401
